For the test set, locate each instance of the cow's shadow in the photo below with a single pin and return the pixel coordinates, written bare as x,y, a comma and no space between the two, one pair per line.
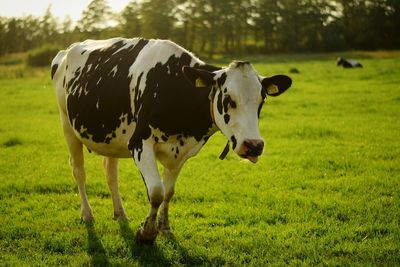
145,255
153,255
95,247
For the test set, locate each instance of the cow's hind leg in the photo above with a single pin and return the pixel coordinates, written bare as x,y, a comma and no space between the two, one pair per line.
78,169
169,179
111,171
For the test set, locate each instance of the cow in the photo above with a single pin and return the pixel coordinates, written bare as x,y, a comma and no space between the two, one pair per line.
348,63
152,100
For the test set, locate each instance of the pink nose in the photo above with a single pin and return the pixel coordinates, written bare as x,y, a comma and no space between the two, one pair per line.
252,147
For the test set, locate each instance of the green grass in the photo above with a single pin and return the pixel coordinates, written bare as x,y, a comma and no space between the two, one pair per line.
325,192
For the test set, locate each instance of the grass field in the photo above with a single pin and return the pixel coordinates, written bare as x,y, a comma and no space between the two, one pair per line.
325,192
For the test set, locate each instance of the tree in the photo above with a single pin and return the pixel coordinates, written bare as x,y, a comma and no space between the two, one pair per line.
209,27
95,18
14,36
130,19
233,26
381,23
66,34
157,18
393,21
48,26
267,16
3,31
370,24
32,32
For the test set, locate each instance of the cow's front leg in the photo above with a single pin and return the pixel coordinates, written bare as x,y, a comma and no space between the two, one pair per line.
169,179
146,162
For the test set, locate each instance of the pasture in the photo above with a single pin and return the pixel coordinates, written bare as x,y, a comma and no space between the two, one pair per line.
325,192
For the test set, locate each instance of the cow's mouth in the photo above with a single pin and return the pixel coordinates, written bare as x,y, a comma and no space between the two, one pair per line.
253,159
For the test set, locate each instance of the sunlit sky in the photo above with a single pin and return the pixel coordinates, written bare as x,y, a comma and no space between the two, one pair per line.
59,8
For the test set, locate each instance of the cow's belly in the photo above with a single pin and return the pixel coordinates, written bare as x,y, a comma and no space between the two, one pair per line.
116,147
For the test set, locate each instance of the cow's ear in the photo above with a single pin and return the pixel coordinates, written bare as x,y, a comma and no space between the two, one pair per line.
199,78
276,85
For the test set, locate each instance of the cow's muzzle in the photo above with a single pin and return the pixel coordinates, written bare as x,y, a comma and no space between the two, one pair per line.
251,149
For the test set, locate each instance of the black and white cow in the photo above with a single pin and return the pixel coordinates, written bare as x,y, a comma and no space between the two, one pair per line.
348,63
154,101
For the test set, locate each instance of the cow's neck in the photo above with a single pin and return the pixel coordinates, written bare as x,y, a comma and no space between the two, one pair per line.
214,128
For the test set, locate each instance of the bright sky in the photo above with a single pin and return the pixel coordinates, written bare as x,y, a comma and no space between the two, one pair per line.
59,8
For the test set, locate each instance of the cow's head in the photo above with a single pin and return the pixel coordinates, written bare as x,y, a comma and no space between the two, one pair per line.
238,94
341,62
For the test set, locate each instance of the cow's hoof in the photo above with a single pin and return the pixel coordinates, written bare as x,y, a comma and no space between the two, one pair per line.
120,217
87,218
146,239
166,231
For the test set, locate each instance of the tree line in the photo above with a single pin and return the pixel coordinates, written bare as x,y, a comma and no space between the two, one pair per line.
210,27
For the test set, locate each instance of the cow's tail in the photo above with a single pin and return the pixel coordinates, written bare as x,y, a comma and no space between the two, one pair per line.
56,62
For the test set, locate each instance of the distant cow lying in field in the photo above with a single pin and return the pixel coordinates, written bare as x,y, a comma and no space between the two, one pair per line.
153,100
348,63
